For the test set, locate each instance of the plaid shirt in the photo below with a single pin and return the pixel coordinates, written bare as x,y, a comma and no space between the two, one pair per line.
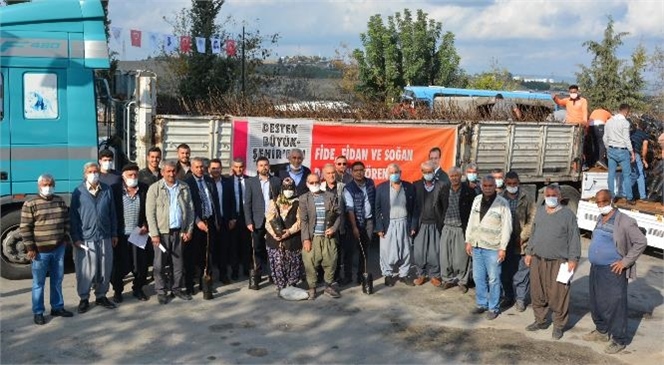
453,215
514,203
131,206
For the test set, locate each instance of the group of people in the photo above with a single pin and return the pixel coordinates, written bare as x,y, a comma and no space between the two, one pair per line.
453,227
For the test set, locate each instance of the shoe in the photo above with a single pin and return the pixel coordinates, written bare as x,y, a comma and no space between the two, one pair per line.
557,333
520,306
61,313
614,348
117,297
491,315
436,282
389,281
83,306
235,276
104,302
162,298
190,291
419,280
207,295
463,288
535,326
182,295
448,285
140,295
225,280
631,202
478,310
331,291
406,281
506,304
312,294
39,319
595,335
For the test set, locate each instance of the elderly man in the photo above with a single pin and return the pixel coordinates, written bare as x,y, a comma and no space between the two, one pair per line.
44,228
344,253
454,261
428,209
472,179
152,173
555,240
617,242
395,225
487,235
620,152
296,171
360,196
340,168
320,214
435,155
94,229
170,216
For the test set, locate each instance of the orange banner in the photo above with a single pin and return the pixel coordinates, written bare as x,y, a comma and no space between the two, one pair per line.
377,146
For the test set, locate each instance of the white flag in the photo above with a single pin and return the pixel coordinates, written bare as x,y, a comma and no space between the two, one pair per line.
216,45
117,32
200,44
170,43
154,41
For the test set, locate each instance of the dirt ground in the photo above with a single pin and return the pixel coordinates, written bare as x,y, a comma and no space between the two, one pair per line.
395,325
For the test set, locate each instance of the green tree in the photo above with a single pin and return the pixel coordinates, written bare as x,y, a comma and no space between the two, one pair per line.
498,78
405,50
656,65
610,81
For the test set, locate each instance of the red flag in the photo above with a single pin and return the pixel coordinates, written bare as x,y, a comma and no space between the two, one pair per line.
135,38
185,44
230,48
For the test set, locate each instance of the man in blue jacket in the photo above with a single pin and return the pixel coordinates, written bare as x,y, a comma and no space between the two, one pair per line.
94,229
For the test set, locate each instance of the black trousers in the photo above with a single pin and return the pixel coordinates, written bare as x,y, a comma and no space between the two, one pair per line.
353,246
240,247
508,268
599,150
260,250
608,302
195,254
221,250
129,258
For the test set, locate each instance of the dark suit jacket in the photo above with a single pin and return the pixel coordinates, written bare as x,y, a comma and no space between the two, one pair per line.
254,203
180,174
142,193
196,198
228,199
300,188
439,188
231,191
147,177
383,206
307,212
465,203
442,176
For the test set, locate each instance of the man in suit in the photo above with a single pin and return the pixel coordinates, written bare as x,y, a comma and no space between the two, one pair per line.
240,249
435,155
184,164
227,214
259,191
395,204
296,171
207,211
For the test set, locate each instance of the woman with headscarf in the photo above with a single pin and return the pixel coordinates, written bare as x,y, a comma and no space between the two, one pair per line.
284,245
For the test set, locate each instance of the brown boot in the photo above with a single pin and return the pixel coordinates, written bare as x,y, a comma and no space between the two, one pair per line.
420,280
436,282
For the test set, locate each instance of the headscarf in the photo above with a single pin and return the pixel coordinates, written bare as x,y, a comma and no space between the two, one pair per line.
287,184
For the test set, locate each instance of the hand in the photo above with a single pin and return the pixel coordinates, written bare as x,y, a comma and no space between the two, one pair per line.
306,245
231,224
329,232
527,260
571,265
501,255
250,227
156,240
617,267
381,234
186,237
469,249
143,230
645,164
412,233
114,241
78,244
356,233
31,255
202,226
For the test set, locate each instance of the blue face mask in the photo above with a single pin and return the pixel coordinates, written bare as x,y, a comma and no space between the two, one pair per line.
551,201
428,177
395,178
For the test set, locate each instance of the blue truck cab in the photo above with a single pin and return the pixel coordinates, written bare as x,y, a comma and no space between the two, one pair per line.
49,51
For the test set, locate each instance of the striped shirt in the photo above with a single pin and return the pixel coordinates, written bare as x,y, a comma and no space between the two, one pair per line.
131,205
44,223
319,202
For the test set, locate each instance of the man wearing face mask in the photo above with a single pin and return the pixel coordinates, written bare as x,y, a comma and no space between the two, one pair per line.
319,213
515,275
395,225
575,105
617,242
360,196
472,179
107,173
344,252
94,229
499,177
44,228
427,214
127,257
296,171
555,239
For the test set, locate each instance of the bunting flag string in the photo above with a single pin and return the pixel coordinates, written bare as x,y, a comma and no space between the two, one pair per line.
200,44
185,44
135,38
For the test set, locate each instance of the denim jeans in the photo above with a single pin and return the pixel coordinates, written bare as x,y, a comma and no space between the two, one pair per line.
486,274
638,175
620,157
53,263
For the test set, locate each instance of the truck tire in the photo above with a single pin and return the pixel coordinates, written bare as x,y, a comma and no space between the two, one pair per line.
14,264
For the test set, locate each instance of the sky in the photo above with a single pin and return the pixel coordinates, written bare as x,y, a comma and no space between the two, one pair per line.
528,37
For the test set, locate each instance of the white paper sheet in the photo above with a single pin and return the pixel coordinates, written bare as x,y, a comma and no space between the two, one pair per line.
138,239
564,275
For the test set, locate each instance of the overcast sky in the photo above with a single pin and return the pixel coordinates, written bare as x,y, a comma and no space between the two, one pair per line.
525,36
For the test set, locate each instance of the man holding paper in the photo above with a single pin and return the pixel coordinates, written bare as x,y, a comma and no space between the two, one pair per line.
130,254
552,254
617,243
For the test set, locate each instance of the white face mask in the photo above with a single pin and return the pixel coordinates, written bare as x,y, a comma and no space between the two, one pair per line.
294,168
573,95
428,177
314,188
471,176
92,178
512,189
46,191
551,201
131,182
499,183
605,209
106,165
289,193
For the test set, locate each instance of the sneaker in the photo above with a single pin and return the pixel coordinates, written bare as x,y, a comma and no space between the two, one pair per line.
331,291
535,326
520,306
491,315
420,280
478,310
463,288
104,302
557,333
595,335
406,281
436,282
39,319
83,306
614,348
61,313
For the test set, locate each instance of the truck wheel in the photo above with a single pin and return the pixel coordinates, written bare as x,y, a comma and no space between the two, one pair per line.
14,264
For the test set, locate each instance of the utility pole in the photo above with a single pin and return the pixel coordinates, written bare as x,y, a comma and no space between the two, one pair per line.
243,83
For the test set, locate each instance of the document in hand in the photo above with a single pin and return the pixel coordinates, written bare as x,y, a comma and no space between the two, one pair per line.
138,239
564,275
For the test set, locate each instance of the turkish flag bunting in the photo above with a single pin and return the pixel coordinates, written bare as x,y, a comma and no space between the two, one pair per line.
135,38
230,48
185,44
